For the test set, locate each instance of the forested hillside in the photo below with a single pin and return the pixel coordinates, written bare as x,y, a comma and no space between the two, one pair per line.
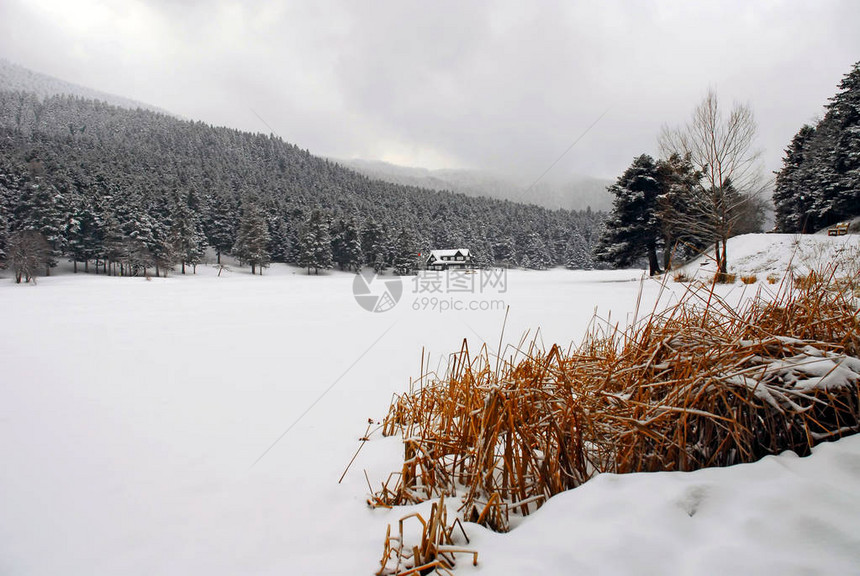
137,189
14,77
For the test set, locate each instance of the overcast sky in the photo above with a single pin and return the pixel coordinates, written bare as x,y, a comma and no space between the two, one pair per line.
497,86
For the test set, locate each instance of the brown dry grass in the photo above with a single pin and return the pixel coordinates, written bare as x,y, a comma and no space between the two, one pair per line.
435,549
725,278
811,279
751,279
700,384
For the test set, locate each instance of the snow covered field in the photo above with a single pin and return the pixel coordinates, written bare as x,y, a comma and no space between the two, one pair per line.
762,254
132,413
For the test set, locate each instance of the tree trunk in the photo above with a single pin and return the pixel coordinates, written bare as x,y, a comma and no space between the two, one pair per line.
253,269
668,251
86,266
218,257
653,264
75,266
724,264
183,267
717,253
156,270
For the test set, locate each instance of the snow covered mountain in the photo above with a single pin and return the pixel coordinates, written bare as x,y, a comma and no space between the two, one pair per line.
571,192
14,77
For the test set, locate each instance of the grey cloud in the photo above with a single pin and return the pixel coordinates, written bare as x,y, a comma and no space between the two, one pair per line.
503,85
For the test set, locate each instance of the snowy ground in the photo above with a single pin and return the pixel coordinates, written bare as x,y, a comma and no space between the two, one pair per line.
132,413
763,254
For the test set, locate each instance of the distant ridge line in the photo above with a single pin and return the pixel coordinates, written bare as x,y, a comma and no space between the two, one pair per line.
16,77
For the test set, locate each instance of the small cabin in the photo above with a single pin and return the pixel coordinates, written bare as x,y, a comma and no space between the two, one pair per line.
447,259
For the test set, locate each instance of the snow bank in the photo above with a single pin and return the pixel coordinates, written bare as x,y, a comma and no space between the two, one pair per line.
763,254
782,515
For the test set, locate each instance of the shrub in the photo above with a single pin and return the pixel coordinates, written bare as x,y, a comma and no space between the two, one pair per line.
725,278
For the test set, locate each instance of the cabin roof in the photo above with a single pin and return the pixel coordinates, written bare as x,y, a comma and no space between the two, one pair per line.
439,254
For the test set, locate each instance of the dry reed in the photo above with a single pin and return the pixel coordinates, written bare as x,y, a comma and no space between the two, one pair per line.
700,384
725,278
435,550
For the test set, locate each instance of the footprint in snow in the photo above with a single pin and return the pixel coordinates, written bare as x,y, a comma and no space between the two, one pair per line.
692,499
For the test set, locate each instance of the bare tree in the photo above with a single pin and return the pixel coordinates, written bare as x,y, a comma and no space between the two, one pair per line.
29,253
721,150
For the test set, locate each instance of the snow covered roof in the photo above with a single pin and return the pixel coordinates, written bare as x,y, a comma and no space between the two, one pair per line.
444,254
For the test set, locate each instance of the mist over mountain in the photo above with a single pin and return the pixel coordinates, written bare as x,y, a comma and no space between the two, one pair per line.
14,77
569,192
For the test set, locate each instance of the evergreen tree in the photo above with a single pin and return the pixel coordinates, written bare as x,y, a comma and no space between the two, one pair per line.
352,256
791,198
633,229
536,255
113,244
315,243
4,222
577,254
504,252
679,184
252,240
839,198
162,249
219,223
481,250
138,234
83,232
41,208
819,183
374,245
279,238
187,238
405,257
346,245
